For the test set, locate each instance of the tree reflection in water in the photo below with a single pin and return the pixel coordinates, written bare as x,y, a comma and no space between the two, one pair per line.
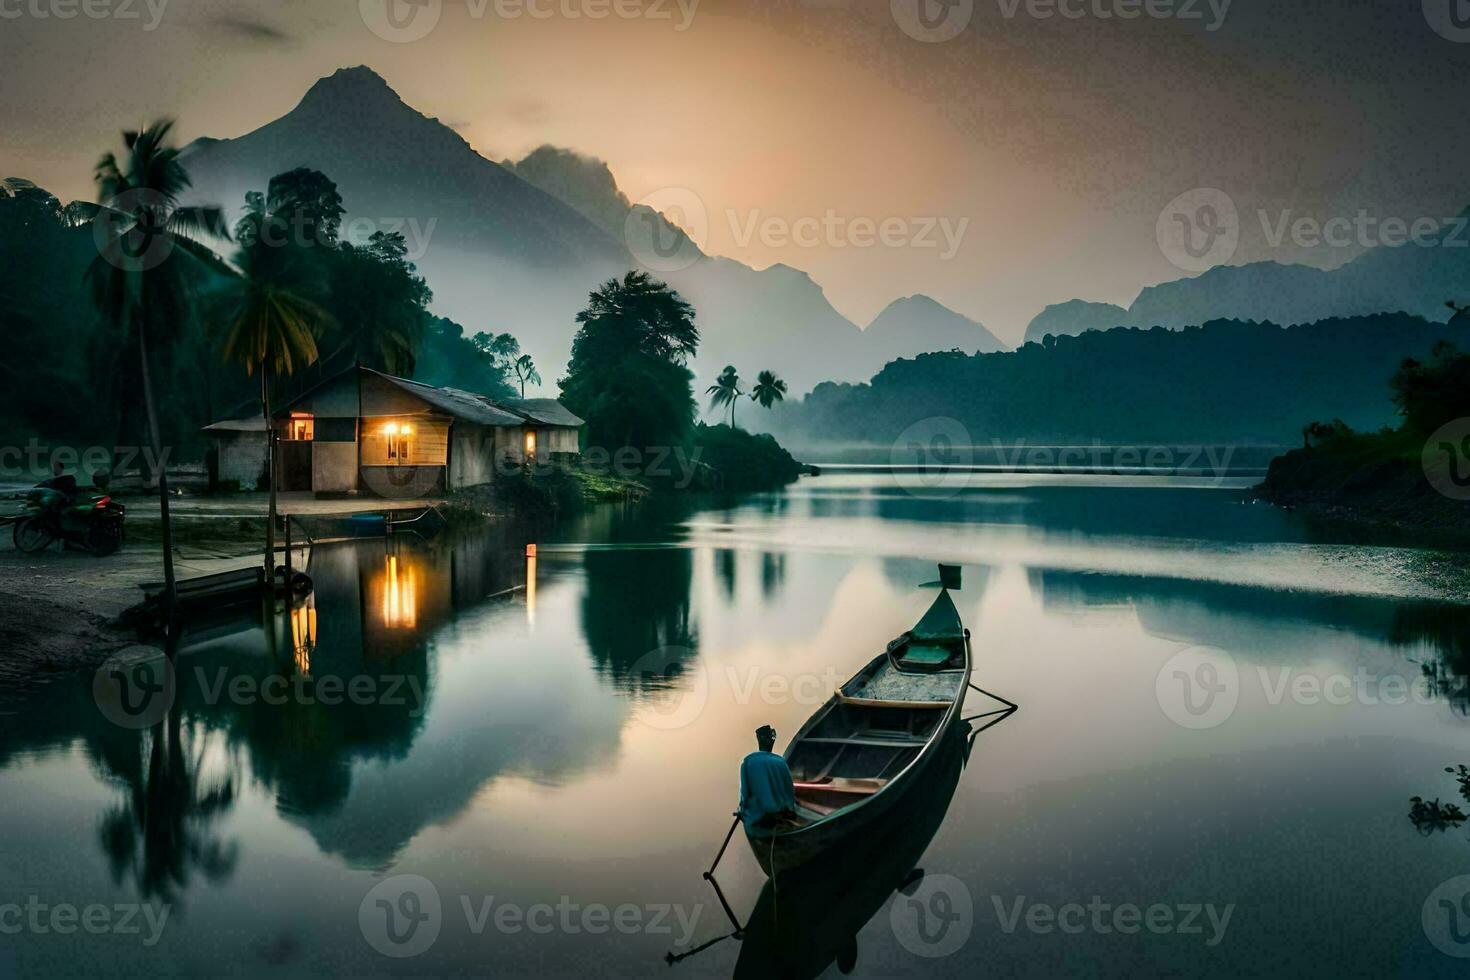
162,834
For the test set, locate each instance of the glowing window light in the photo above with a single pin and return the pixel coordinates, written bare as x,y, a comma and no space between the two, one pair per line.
397,436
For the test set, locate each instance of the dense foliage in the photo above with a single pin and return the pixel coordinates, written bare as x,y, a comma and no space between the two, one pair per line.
627,375
1225,381
79,383
743,460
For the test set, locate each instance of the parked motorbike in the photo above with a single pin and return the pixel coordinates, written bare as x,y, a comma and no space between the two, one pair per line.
88,519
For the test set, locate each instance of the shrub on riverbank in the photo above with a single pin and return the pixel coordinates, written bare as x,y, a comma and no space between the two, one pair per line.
742,460
538,492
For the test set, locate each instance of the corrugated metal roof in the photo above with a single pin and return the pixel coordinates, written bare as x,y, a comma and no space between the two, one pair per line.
249,423
465,405
547,411
461,404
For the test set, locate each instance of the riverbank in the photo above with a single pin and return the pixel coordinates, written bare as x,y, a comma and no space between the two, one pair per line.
1375,482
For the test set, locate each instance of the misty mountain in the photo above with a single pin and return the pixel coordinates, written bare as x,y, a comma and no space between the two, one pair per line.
1073,317
919,323
518,246
1410,278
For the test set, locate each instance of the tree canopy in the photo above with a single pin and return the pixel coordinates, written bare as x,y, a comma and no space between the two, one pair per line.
627,375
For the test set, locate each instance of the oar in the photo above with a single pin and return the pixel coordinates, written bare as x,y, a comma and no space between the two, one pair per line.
709,875
671,958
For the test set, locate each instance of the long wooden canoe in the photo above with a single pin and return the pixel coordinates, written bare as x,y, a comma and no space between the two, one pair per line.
816,915
881,729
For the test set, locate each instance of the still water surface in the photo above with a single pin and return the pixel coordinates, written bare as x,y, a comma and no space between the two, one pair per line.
552,745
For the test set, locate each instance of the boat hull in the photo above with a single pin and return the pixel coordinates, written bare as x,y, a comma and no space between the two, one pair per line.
781,853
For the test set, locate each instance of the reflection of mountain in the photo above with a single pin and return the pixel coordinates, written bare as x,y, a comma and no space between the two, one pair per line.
1268,621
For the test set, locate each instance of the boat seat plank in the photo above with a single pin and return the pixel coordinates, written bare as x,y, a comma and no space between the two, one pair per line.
896,741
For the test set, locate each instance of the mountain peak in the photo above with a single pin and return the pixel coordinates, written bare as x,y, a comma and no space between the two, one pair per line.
351,85
914,303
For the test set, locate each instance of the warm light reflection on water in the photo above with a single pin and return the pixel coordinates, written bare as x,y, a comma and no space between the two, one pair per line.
400,593
530,585
303,635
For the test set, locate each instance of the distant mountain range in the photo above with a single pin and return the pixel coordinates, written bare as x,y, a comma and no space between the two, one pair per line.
517,246
1409,279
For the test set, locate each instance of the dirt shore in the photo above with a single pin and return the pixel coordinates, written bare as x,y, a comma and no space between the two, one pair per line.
58,608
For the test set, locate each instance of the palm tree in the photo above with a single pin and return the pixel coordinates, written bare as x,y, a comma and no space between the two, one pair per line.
525,369
274,329
726,391
144,240
768,389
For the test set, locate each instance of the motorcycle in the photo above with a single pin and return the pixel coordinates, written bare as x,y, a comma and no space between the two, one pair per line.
87,519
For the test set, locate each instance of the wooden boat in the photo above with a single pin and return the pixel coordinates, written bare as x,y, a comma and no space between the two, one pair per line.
879,731
822,907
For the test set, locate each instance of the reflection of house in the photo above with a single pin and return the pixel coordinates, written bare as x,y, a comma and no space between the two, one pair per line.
362,431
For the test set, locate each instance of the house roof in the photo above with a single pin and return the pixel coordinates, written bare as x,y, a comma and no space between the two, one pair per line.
547,411
247,423
465,405
461,404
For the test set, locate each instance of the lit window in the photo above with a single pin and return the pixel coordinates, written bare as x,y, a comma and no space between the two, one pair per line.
530,443
299,428
400,442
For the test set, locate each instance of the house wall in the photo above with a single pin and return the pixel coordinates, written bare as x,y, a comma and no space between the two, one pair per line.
428,446
559,440
336,398
334,467
242,457
471,455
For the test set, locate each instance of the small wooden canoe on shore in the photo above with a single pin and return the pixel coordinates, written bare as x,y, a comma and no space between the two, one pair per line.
881,729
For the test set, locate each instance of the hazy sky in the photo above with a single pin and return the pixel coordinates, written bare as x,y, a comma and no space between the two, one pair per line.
1023,161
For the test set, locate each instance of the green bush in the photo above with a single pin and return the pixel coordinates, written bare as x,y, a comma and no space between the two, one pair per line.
742,460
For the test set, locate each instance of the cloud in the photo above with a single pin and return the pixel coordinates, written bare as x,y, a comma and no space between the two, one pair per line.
249,28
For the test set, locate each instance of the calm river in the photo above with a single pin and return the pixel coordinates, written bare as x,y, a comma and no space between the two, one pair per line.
463,760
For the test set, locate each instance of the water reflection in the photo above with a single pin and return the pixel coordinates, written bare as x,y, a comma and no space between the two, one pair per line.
162,834
398,586
504,759
1432,637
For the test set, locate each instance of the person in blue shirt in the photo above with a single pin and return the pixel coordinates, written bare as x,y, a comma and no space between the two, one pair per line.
767,793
